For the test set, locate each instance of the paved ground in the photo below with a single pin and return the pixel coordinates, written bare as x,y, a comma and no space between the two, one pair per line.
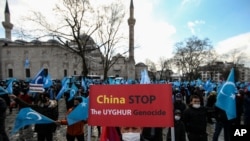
60,132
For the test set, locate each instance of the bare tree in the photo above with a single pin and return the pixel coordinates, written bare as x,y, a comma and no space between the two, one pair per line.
237,56
151,65
109,34
76,26
165,67
191,53
152,69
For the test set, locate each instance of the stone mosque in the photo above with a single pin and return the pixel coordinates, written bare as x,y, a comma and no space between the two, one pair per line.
22,59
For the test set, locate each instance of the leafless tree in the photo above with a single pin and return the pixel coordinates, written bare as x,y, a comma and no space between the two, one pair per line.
237,56
191,53
75,29
109,34
151,68
151,65
165,67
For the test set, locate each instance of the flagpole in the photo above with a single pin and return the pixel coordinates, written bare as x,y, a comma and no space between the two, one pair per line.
172,134
89,133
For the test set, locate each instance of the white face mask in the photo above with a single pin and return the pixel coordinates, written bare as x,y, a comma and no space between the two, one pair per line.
131,136
177,117
196,106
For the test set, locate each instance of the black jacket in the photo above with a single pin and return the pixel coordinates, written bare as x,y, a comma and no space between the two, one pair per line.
195,120
148,136
179,130
220,115
3,107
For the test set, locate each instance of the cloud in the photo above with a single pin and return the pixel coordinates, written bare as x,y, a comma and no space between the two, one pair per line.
194,26
239,43
155,41
190,2
154,36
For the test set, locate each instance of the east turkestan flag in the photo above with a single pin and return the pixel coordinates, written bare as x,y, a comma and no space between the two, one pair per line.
226,97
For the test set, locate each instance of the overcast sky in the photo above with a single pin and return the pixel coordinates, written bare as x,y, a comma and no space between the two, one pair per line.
162,23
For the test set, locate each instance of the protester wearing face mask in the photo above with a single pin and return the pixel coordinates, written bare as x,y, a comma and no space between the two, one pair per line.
179,128
195,120
131,133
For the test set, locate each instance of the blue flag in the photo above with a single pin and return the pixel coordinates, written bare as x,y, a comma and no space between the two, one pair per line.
208,86
3,91
79,113
177,84
144,77
65,79
26,63
248,88
73,91
47,81
84,85
63,89
9,89
111,81
226,97
38,79
199,82
27,116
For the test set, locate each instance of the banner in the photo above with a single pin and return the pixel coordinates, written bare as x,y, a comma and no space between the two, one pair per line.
143,105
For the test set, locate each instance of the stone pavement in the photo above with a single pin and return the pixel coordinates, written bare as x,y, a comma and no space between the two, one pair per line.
60,133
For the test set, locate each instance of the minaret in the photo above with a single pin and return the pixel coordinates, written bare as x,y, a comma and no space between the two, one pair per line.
131,61
6,24
131,23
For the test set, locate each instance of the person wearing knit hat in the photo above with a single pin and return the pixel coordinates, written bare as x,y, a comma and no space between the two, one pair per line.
179,128
178,103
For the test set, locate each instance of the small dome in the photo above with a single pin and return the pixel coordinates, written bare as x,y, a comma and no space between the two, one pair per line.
5,40
52,41
35,41
20,41
85,37
141,64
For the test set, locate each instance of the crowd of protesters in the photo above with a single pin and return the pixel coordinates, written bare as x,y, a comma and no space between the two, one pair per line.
193,110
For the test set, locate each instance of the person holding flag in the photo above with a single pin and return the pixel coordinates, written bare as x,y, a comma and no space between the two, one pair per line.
46,107
226,99
225,107
75,130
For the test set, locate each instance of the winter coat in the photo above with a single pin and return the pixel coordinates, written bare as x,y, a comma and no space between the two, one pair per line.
74,129
146,134
179,130
3,107
195,120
